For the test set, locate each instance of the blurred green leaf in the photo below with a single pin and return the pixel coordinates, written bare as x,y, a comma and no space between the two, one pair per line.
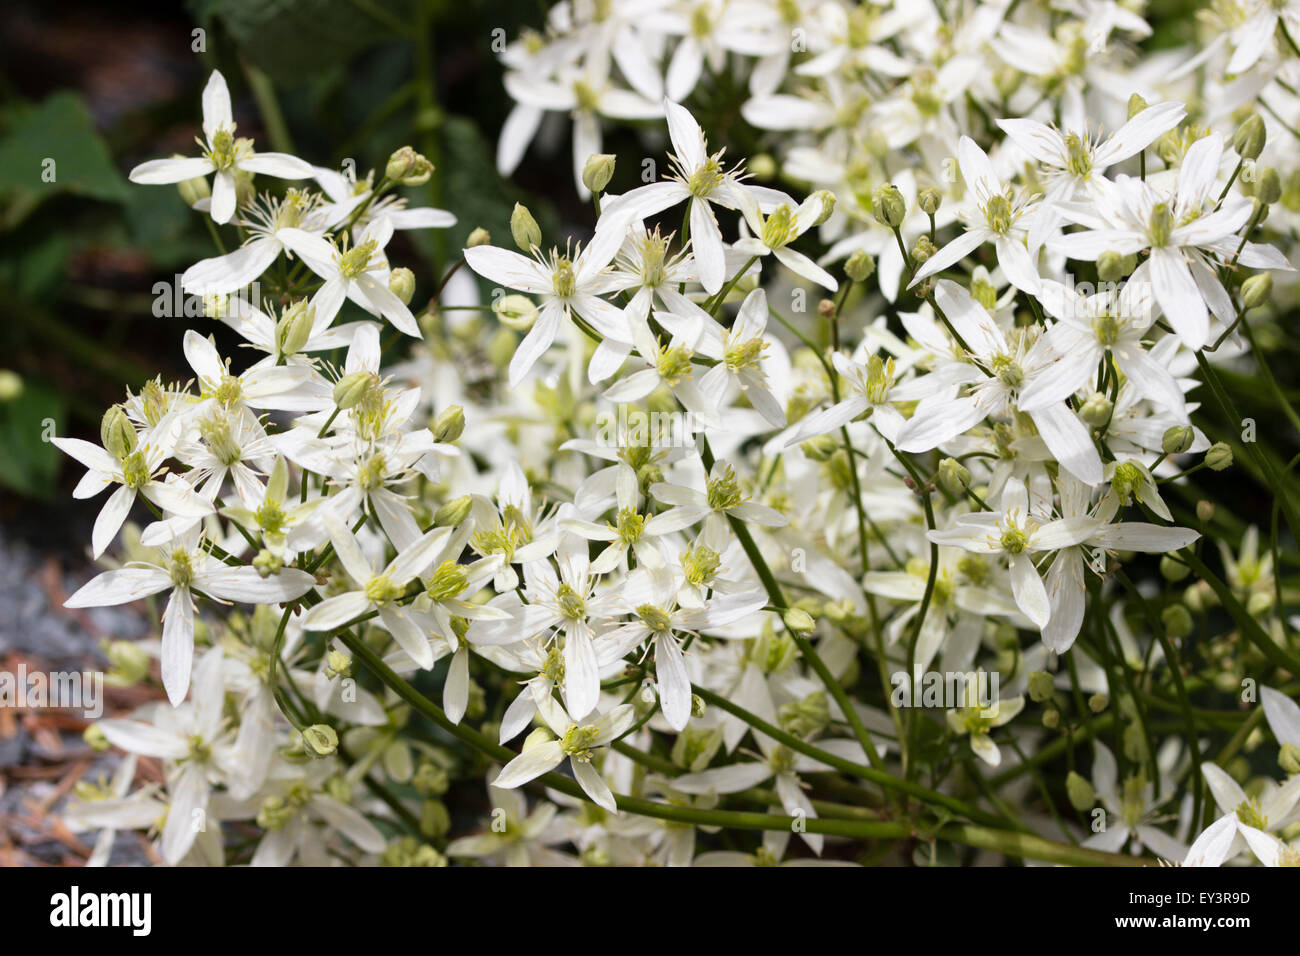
52,148
29,464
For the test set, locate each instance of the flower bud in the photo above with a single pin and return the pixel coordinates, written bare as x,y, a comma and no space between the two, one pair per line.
763,166
798,621
1173,570
294,328
267,564
435,821
598,171
1218,457
1177,621
922,250
450,424
1051,718
95,738
116,433
1082,795
352,388
129,662
954,477
828,206
401,282
1177,439
11,385
860,266
192,190
479,237
538,737
1289,758
1257,290
1096,410
819,448
338,664
1098,702
1204,511
408,167
1040,686
523,227
430,780
453,512
888,206
320,740
929,200
1249,139
1112,266
1136,104
1268,185
516,311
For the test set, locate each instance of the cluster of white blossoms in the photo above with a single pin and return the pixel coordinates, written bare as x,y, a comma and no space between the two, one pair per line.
662,541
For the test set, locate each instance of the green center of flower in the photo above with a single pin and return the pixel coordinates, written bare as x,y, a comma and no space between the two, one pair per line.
135,470
270,517
1161,224
707,178
383,590
224,149
1014,539
655,618
1007,369
674,364
701,565
997,213
1107,329
741,354
724,491
372,473
448,581
1078,155
572,604
588,99
563,281
778,228
181,569
220,440
1249,813
578,741
354,262
629,525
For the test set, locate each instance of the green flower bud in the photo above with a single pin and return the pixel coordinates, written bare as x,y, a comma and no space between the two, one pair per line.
922,250
401,282
1289,758
454,512
116,433
1097,703
1051,718
1249,139
929,200
352,389
430,780
860,266
1177,439
1135,743
1177,621
408,167
192,190
1218,457
1096,410
1082,795
888,206
523,227
267,564
450,424
129,662
1204,511
1040,686
11,385
95,739
435,821
954,477
294,328
598,171
1136,104
763,167
516,311
798,621
1257,290
1173,570
479,237
320,740
1268,185
1112,266
819,448
698,707
538,737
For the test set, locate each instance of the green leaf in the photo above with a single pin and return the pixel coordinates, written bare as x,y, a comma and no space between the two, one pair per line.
30,463
52,148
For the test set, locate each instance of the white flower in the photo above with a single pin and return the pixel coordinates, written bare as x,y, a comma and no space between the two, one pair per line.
222,153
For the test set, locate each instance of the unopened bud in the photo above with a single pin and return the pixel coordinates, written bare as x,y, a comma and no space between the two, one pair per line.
408,167
1173,570
129,662
1218,457
11,385
1268,185
820,447
352,388
1136,104
922,250
479,237
538,737
1177,621
1249,139
1051,718
1289,758
1098,702
1080,791
1257,290
117,433
1096,410
267,564
929,200
888,206
860,266
828,206
450,424
1177,439
338,664
192,190
453,512
1040,686
953,477
523,227
294,328
598,171
798,621
1204,511
401,282
1113,266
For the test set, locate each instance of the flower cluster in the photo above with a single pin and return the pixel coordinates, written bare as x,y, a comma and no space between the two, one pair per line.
671,540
